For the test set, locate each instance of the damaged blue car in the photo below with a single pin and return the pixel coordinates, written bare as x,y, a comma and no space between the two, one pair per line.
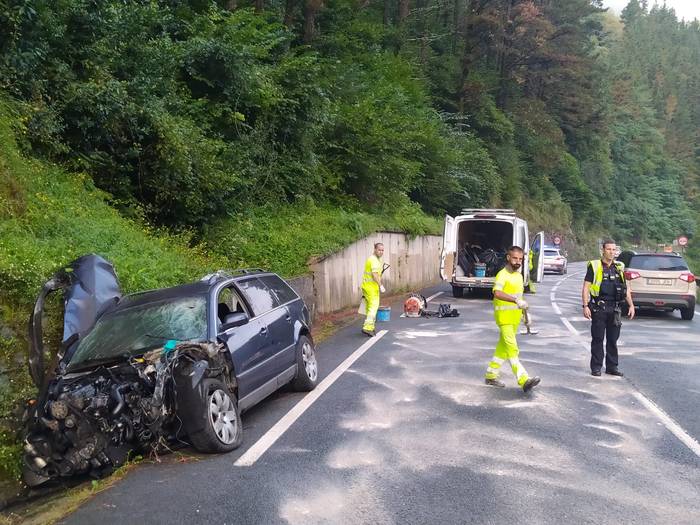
140,371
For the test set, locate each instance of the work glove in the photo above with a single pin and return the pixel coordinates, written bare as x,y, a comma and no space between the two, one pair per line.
381,288
522,304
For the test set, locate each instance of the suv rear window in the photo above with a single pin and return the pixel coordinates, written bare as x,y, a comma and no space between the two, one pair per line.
259,296
282,290
658,263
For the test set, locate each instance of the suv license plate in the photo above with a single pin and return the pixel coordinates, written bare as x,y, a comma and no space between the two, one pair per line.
664,282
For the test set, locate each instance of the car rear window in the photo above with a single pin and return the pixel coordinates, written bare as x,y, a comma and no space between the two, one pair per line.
658,263
551,253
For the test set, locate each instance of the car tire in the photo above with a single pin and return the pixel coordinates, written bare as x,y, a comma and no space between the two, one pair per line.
307,366
457,291
687,314
222,428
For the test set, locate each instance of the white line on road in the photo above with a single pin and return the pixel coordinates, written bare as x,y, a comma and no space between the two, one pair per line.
670,424
432,297
556,308
268,439
569,325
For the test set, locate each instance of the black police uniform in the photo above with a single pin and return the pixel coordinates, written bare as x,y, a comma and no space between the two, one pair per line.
606,318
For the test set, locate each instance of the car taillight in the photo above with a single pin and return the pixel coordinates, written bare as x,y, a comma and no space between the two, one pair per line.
687,277
630,275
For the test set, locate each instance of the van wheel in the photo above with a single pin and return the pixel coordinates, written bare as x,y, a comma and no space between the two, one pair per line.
220,419
457,291
307,366
687,313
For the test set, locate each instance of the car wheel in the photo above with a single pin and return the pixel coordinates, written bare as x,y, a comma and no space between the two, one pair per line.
222,429
307,366
457,291
687,313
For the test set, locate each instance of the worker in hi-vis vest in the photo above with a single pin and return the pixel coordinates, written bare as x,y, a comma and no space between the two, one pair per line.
508,304
372,286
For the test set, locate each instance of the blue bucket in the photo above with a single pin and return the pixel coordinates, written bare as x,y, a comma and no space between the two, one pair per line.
384,313
479,270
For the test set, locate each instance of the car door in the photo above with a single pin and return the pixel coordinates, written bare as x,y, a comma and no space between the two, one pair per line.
246,343
287,299
274,322
449,248
537,250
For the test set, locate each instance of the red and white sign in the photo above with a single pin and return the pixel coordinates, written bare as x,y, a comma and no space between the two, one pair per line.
557,240
682,240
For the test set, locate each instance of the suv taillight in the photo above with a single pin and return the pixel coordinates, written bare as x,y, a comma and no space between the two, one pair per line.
687,277
631,275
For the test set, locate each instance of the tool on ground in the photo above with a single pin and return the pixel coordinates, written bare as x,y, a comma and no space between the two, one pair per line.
528,324
414,305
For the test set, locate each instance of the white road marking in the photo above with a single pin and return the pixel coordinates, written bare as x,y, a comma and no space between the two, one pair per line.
268,439
667,421
432,297
556,308
670,424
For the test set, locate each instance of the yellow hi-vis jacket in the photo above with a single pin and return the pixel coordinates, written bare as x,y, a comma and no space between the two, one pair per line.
511,283
597,266
373,264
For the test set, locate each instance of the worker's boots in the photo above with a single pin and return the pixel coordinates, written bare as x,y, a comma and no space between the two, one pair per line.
495,382
531,383
368,333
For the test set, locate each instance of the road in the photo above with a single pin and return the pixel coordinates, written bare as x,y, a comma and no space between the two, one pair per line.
409,433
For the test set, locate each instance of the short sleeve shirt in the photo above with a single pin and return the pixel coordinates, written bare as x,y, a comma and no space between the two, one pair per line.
509,282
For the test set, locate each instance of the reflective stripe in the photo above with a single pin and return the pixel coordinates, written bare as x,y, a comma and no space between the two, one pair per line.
506,307
498,360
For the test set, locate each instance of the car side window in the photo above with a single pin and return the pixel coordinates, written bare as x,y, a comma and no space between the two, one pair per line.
260,298
282,290
228,302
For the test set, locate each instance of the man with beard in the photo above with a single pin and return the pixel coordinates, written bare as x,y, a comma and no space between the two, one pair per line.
508,306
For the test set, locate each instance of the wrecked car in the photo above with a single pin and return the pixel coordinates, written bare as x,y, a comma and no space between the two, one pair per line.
137,372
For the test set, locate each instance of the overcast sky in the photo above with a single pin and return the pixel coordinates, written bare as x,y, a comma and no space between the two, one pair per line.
687,9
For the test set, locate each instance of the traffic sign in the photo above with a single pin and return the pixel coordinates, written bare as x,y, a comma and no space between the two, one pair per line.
557,240
682,240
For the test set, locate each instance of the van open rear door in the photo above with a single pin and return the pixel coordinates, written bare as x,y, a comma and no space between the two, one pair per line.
449,249
537,253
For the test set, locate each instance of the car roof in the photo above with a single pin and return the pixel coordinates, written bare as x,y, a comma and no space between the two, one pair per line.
201,287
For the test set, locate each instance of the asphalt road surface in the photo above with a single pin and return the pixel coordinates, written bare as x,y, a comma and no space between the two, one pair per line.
409,433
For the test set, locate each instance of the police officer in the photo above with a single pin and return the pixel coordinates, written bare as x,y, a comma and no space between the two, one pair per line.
604,292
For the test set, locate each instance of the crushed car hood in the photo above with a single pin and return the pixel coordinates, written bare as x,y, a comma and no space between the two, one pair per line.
90,286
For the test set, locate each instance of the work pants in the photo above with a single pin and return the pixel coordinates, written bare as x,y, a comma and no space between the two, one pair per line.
370,292
604,326
507,349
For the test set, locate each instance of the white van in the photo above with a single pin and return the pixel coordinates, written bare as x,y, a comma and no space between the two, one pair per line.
474,246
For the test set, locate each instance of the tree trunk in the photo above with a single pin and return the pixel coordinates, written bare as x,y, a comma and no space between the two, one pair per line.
311,9
403,10
259,5
387,12
289,7
231,5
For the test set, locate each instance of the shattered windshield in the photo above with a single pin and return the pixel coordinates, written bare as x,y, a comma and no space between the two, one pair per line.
134,330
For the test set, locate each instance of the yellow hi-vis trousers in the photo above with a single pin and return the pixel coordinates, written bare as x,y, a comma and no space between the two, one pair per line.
370,291
507,349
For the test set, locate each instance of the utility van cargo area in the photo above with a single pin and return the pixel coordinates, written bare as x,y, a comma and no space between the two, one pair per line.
475,244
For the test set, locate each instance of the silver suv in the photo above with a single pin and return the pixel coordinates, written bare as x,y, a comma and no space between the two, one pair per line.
661,281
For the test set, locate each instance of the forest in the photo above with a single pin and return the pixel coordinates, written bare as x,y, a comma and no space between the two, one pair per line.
176,136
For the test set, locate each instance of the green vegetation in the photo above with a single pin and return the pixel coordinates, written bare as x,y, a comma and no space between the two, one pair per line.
178,137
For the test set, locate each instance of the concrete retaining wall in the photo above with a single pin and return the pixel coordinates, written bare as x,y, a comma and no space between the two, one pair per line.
415,263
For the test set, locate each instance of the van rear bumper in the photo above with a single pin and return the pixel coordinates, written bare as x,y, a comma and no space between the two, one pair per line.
473,282
663,301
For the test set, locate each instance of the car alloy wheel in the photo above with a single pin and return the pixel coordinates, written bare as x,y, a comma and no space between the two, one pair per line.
222,416
309,357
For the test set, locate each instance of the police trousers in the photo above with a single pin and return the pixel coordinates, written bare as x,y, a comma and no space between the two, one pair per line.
604,326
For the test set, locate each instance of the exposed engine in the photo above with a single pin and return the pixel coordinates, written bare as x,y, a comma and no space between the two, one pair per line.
89,422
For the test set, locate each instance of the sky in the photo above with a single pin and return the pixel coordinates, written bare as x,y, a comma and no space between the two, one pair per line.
687,9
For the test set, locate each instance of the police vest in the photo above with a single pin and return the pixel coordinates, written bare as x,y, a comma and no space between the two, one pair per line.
597,266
